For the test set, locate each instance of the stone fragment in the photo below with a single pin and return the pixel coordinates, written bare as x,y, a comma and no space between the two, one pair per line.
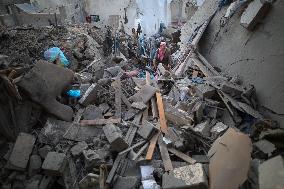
114,136
78,148
44,151
21,152
90,181
93,112
203,128
271,173
187,177
147,130
43,83
218,128
138,105
54,164
34,165
254,13
204,91
94,158
90,95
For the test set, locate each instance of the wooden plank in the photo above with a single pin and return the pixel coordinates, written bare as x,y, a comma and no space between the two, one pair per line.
182,156
165,155
99,122
145,114
152,146
163,122
118,93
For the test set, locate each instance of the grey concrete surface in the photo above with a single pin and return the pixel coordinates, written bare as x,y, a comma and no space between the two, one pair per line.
255,56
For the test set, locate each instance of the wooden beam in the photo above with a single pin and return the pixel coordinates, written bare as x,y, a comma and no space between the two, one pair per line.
163,121
165,155
152,146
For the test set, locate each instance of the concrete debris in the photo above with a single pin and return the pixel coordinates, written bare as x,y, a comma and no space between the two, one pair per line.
203,128
94,158
204,91
144,94
34,164
265,146
187,177
139,106
177,116
54,164
90,95
115,138
147,130
22,150
254,13
44,151
90,181
271,173
79,148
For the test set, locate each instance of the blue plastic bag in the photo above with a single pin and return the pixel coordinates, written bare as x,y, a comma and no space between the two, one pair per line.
55,52
74,93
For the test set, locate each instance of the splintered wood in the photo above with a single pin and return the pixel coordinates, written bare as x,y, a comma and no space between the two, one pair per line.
152,146
163,122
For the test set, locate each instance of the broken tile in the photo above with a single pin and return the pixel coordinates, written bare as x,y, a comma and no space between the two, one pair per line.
21,152
187,177
218,128
44,151
54,164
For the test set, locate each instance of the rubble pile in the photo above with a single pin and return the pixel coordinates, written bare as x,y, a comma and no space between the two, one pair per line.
188,127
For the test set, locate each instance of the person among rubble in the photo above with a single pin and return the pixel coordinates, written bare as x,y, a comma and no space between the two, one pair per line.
116,45
139,30
163,55
142,45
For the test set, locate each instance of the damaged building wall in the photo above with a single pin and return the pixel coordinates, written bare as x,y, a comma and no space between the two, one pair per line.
148,13
256,56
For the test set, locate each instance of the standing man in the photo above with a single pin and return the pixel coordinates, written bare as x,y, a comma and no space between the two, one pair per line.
163,55
139,30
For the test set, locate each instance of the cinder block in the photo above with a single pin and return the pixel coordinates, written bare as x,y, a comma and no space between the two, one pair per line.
147,130
21,152
114,136
54,164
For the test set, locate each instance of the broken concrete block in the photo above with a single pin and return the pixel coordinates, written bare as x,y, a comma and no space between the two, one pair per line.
21,152
34,165
114,136
187,177
254,13
78,148
144,95
177,116
204,91
147,130
44,151
138,105
90,95
54,164
203,128
271,173
218,128
90,181
43,83
129,182
94,158
265,146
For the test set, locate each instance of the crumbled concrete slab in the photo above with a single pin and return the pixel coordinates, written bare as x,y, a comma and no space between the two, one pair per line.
34,164
43,83
54,164
144,94
203,128
78,148
271,173
177,116
114,136
254,13
21,152
139,105
44,151
204,91
147,130
187,177
90,95
265,146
